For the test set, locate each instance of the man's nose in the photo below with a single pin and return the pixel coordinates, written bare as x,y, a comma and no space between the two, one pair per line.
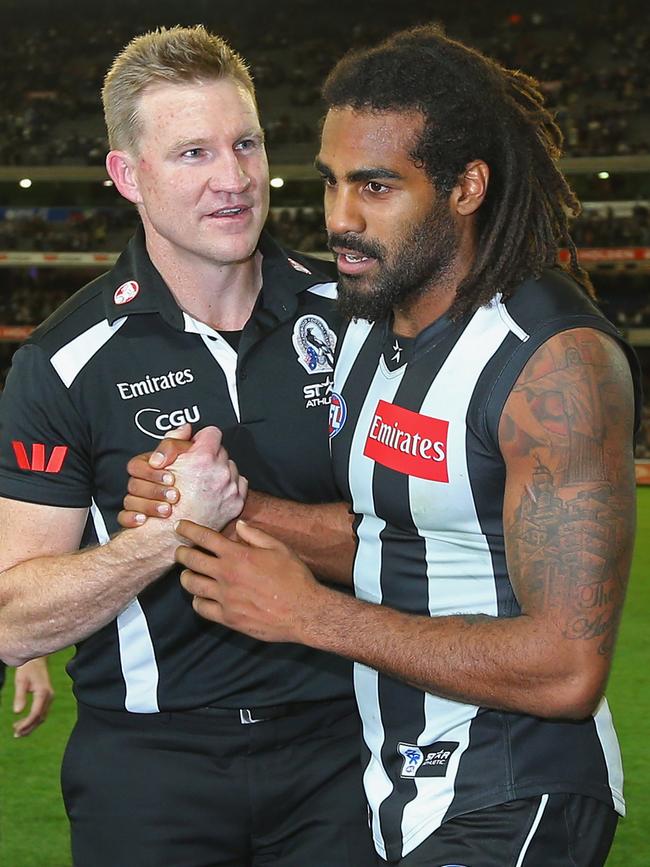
342,213
229,176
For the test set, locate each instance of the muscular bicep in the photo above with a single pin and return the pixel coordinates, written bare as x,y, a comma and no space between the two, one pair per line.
566,435
29,530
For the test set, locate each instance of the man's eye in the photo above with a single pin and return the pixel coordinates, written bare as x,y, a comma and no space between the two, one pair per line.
376,187
328,180
248,144
193,152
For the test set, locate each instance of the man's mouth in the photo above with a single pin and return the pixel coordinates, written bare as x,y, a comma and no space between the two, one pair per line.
231,211
352,262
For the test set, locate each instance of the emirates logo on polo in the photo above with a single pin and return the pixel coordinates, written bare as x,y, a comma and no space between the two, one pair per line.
408,442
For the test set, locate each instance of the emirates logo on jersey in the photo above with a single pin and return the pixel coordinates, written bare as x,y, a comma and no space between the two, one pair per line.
126,292
408,442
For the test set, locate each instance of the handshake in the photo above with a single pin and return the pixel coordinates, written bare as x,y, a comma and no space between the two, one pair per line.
205,486
238,575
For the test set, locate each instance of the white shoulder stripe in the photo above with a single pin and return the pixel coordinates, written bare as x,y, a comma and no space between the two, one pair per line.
325,290
221,351
71,359
507,319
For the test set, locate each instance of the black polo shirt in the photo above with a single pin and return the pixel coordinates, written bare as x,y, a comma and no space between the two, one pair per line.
104,378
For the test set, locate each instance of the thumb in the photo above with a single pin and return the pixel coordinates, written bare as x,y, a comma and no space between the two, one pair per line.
258,538
184,432
20,697
167,451
208,439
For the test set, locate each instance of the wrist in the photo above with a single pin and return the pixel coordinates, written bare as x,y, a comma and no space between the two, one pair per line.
156,538
317,612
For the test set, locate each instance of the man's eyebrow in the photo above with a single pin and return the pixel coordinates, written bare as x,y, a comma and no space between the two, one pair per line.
202,141
321,167
183,143
372,173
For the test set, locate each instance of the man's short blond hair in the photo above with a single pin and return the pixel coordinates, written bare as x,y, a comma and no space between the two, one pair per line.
175,55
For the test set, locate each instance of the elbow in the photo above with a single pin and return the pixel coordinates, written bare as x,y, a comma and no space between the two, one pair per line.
12,659
577,698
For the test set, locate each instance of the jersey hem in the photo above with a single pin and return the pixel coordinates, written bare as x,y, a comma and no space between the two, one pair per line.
29,491
612,797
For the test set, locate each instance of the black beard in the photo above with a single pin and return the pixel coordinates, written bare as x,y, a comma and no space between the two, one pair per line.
405,272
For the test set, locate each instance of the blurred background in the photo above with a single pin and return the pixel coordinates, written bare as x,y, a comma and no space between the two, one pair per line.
62,222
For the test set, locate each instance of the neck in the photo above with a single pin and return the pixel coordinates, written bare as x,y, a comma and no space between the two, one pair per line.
220,295
438,296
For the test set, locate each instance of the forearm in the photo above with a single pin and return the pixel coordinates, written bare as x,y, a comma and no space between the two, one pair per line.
512,664
321,534
50,602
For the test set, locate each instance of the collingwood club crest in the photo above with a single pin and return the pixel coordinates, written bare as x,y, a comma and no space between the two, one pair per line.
314,342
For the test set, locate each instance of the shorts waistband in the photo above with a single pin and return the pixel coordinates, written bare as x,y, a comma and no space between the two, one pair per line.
311,711
251,715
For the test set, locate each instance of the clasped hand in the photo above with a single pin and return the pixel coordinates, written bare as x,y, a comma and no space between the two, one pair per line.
240,577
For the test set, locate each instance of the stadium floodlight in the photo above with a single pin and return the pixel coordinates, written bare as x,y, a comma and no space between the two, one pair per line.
25,183
276,183
603,175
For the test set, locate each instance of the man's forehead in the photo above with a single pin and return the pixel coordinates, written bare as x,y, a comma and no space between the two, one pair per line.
196,90
198,109
364,135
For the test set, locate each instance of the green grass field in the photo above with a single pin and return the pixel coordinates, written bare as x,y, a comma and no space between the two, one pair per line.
33,831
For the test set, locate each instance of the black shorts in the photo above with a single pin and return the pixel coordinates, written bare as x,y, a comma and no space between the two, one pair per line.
545,831
211,787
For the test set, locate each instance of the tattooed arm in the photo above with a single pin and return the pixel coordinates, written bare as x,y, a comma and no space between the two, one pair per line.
566,439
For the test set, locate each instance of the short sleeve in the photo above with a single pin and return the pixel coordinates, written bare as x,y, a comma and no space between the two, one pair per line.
44,442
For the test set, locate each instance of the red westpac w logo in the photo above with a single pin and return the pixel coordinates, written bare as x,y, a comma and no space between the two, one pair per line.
36,462
408,442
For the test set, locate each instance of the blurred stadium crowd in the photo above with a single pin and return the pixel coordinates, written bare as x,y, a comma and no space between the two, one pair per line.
591,59
593,66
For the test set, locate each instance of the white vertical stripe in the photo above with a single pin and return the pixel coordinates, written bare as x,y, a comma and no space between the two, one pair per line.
457,556
375,779
73,357
445,720
137,657
367,563
223,354
538,818
612,753
354,339
138,660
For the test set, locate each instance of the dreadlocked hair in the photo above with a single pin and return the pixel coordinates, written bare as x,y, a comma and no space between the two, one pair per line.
473,108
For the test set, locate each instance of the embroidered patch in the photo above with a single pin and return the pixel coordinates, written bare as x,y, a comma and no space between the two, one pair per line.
314,342
426,761
126,292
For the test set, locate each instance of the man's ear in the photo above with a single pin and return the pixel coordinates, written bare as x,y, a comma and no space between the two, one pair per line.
468,195
120,167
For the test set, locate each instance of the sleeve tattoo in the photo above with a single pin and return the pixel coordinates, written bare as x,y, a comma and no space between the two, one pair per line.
566,435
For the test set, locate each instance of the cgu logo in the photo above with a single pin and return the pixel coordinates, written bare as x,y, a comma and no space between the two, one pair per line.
160,423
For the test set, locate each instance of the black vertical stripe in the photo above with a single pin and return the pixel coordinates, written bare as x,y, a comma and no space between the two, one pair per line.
404,586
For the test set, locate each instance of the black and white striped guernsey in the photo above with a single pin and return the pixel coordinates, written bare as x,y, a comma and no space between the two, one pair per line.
413,427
